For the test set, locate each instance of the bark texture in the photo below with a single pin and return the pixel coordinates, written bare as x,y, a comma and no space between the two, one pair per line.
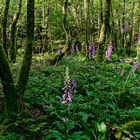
4,26
13,32
105,29
25,68
11,104
12,92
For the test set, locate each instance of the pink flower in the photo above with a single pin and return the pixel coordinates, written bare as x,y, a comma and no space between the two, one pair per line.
109,51
64,97
69,97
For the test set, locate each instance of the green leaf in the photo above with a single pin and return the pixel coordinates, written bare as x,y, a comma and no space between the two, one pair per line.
101,127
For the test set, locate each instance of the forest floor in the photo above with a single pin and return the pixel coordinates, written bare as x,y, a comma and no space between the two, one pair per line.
105,98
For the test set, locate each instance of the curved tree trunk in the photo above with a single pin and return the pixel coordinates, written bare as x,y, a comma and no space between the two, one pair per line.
13,32
4,26
67,45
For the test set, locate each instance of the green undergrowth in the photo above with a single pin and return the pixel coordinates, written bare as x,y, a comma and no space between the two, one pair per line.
105,97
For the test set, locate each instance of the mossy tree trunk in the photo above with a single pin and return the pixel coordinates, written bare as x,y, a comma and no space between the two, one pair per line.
46,11
65,6
130,41
123,28
86,15
113,29
138,45
105,29
4,26
100,17
119,28
12,92
11,105
13,48
25,68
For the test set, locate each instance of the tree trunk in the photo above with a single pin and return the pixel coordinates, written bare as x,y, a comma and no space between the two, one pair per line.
100,16
138,45
86,14
65,21
105,29
46,20
114,30
13,33
11,105
25,68
4,26
130,41
123,26
11,91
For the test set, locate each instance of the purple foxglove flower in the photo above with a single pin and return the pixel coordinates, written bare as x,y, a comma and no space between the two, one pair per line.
73,84
69,97
109,51
125,29
64,99
91,50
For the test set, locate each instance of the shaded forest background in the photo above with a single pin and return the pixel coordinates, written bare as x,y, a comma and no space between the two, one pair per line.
78,23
